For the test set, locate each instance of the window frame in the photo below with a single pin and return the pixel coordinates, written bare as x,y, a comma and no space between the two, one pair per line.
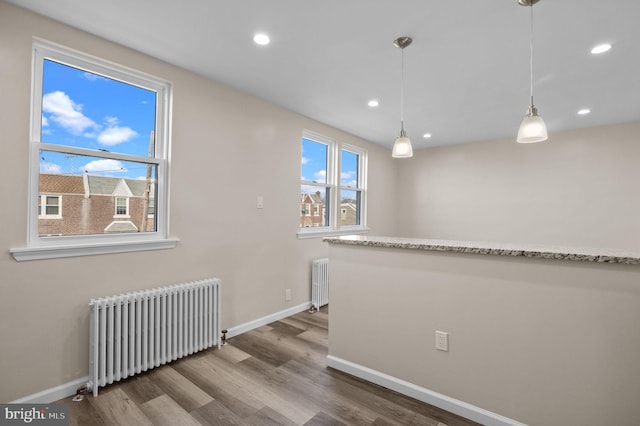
124,215
333,184
42,206
360,188
46,247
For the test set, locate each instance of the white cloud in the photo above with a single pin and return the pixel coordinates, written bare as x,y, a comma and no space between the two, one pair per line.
305,160
66,113
321,175
45,123
114,134
93,77
50,168
349,178
106,165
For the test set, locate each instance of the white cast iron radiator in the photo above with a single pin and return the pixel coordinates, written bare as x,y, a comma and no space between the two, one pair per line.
135,332
319,283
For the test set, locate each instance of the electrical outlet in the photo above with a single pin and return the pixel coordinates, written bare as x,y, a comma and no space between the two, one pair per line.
260,202
287,294
442,341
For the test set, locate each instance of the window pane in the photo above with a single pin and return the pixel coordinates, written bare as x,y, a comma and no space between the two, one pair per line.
349,207
52,208
314,210
349,172
314,161
121,206
89,188
86,110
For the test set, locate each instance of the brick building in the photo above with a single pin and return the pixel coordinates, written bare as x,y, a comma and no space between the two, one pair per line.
312,210
77,205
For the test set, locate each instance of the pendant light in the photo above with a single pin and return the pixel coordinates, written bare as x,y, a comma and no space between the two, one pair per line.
402,146
532,129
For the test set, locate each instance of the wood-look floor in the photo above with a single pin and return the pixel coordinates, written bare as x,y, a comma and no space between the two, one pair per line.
273,375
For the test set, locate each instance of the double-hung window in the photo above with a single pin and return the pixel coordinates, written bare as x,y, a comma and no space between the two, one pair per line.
100,142
49,207
333,187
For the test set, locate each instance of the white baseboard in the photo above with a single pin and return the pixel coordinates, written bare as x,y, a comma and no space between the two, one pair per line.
57,393
67,389
439,400
248,326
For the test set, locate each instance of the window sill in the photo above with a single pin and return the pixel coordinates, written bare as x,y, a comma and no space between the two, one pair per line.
54,252
319,233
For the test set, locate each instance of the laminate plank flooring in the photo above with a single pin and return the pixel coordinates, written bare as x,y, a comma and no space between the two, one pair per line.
273,375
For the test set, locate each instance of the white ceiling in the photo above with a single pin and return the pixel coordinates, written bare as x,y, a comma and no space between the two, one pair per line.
466,73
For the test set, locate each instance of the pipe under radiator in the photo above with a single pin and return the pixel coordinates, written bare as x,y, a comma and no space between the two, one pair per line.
134,332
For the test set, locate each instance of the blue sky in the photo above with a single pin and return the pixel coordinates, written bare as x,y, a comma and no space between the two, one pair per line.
314,164
85,110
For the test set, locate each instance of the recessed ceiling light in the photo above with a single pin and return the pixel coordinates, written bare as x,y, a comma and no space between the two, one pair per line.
601,48
584,111
373,103
426,135
261,39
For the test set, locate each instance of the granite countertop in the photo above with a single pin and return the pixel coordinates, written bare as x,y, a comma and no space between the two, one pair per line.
499,249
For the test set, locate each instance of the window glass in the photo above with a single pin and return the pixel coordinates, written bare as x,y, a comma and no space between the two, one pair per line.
313,206
349,172
314,161
99,133
52,207
349,208
84,109
121,206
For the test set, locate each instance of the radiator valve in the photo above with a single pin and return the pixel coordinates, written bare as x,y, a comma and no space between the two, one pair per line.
224,337
80,393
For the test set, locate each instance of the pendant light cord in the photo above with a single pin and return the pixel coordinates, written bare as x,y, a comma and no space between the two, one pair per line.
402,90
531,56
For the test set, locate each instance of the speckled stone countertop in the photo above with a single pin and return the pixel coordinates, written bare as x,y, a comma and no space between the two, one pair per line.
498,249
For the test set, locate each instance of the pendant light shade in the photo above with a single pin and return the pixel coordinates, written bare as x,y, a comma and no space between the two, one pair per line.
532,129
402,146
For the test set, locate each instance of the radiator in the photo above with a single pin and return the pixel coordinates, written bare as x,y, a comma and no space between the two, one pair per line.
135,332
319,283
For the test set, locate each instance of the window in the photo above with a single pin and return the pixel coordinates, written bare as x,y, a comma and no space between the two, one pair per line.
332,187
351,188
49,207
122,207
98,138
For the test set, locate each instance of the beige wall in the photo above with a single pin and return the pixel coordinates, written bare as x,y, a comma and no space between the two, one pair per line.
543,342
227,148
577,189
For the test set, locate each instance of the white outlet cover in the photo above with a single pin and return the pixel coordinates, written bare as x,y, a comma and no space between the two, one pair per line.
442,341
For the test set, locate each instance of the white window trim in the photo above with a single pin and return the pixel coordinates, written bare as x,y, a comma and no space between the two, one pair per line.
65,246
334,168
